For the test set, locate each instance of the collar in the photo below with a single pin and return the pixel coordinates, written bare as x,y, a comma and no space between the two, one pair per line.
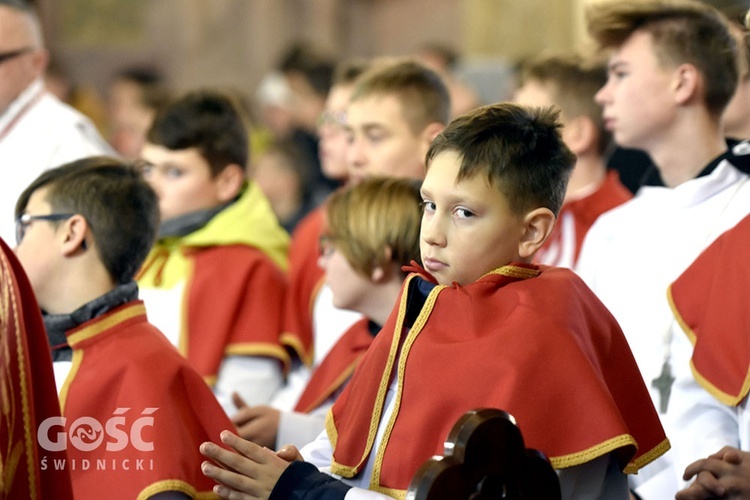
653,178
21,104
182,225
58,324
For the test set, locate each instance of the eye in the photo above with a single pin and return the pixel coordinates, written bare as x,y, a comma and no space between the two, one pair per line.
375,137
428,206
463,213
146,169
173,172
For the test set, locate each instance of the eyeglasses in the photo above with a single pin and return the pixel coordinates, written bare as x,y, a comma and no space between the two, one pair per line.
337,118
22,222
12,54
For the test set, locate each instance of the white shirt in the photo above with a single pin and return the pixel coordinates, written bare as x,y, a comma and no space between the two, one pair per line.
39,132
634,252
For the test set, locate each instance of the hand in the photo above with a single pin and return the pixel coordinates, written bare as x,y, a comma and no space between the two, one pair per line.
290,453
248,472
258,424
725,474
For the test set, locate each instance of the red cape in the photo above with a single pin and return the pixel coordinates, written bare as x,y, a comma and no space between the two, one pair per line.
530,340
305,279
710,303
125,372
29,394
232,310
334,371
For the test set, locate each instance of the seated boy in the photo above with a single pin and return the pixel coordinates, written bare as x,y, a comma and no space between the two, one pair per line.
570,82
215,274
372,232
479,327
134,408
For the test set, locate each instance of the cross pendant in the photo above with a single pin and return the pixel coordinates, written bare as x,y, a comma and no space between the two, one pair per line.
663,383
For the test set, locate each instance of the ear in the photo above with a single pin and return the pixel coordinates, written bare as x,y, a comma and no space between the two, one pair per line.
39,61
428,134
537,227
74,235
580,134
229,182
687,81
380,274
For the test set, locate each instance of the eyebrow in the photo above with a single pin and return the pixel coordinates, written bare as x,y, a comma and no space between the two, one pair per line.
616,64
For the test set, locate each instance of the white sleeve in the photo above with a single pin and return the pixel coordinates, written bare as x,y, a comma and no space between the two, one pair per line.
299,429
697,423
254,378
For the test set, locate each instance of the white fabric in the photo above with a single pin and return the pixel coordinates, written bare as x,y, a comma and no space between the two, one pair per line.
61,369
634,252
700,423
598,479
300,429
256,379
47,134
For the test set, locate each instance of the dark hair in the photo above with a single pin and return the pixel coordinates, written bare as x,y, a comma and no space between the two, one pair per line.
422,92
517,148
154,92
572,82
211,121
315,66
121,209
682,32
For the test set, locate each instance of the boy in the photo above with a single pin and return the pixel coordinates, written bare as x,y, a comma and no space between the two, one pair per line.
134,407
495,178
215,274
570,83
672,71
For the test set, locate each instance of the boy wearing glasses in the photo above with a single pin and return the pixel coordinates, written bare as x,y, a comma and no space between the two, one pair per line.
134,409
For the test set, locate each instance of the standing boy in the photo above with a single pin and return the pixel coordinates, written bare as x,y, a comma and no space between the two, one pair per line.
214,278
134,408
495,179
570,83
672,71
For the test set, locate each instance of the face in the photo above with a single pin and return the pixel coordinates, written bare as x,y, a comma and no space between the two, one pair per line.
468,229
381,141
36,251
334,141
638,107
181,179
25,60
349,288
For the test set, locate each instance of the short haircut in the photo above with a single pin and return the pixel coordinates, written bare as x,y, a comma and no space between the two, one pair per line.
378,213
518,149
572,82
30,10
211,121
422,93
683,31
347,72
121,209
153,91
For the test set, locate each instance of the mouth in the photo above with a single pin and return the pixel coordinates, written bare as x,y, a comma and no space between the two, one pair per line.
609,123
433,265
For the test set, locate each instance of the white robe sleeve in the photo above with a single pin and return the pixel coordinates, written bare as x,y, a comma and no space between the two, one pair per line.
255,379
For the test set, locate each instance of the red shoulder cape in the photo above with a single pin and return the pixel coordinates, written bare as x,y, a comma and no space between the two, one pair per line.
337,367
710,303
28,388
126,374
532,341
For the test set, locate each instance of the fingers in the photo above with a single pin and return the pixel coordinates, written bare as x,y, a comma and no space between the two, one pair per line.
238,401
290,453
232,486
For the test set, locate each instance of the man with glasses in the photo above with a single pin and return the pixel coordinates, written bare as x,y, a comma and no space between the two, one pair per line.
37,131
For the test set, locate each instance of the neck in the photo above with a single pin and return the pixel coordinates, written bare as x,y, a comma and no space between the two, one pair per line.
681,159
77,289
587,175
380,302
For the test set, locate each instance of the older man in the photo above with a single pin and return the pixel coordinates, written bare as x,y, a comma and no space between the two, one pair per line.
37,131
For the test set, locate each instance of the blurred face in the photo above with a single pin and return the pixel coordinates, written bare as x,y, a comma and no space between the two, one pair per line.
381,141
638,107
130,119
334,142
349,288
468,229
36,250
181,179
21,58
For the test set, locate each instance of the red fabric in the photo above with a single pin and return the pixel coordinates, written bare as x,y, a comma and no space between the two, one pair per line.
584,211
28,387
533,341
120,361
334,371
232,310
305,279
711,304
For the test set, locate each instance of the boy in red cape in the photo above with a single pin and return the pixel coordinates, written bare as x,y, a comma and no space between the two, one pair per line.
134,409
478,327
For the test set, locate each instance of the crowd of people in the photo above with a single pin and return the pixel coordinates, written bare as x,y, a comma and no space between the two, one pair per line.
298,297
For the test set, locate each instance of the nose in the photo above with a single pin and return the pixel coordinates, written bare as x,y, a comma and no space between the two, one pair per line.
602,96
355,155
432,232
